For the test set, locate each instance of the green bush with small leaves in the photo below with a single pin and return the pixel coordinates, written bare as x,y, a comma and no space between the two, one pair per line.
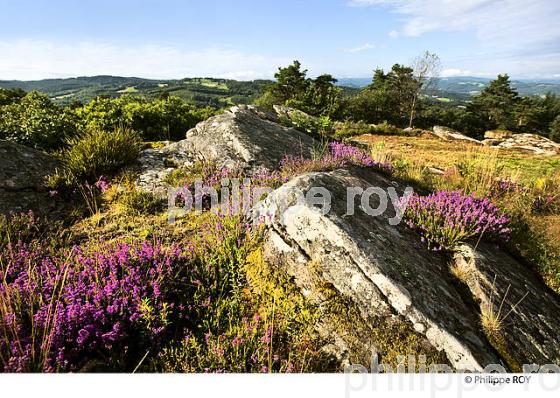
96,152
35,121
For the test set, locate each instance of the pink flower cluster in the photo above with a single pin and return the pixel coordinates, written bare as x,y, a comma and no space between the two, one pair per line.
86,304
339,155
446,218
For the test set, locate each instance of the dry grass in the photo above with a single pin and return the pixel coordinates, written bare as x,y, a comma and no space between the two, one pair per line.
432,152
434,164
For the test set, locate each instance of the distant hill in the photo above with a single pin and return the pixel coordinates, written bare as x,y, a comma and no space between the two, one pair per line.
199,91
221,93
472,85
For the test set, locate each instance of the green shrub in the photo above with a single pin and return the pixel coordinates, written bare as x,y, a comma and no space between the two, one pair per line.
350,129
316,126
96,152
137,202
164,118
63,181
36,121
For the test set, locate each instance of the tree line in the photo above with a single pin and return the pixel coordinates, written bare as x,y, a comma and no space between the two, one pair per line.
402,97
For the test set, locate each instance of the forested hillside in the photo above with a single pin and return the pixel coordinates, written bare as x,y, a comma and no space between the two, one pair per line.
218,93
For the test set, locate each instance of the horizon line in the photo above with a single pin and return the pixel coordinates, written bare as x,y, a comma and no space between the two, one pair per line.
513,78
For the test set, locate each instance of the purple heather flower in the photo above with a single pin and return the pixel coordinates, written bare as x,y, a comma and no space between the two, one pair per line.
102,184
446,218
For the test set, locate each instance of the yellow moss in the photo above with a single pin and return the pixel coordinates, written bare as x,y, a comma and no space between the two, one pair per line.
498,342
275,290
390,338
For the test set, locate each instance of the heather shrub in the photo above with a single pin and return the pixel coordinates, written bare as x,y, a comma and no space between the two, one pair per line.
209,175
338,155
16,228
263,326
228,351
97,152
446,218
99,304
117,306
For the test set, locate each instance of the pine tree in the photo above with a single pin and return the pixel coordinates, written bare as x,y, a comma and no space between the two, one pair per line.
496,104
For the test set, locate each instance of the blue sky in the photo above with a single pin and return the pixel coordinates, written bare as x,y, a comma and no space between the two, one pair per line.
245,39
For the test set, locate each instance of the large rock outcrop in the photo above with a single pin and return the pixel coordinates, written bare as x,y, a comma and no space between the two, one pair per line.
22,179
448,134
531,143
387,274
244,137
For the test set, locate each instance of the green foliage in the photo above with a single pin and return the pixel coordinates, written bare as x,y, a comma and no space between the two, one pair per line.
388,98
496,104
554,133
136,202
451,116
34,120
537,114
62,181
10,96
291,83
350,129
164,118
392,96
319,97
320,127
97,152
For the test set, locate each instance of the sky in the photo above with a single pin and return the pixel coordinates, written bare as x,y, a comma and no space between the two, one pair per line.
247,40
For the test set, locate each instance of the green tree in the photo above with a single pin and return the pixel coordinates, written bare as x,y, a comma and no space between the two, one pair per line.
322,97
404,87
36,121
554,132
535,114
496,104
10,96
425,68
291,84
319,97
388,98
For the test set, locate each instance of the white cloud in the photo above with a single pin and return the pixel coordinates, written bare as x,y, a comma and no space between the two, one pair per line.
363,47
32,59
503,21
454,72
515,36
393,34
